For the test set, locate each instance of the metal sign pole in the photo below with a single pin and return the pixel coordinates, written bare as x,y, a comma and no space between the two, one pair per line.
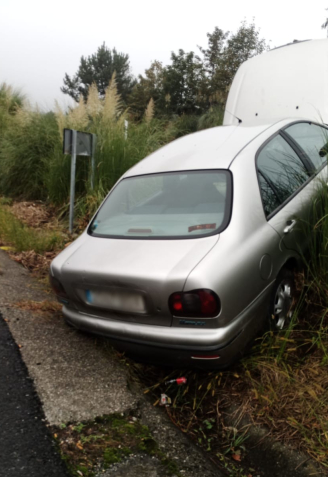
72,190
94,138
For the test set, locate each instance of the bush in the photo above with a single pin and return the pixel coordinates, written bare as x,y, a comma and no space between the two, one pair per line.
25,153
213,117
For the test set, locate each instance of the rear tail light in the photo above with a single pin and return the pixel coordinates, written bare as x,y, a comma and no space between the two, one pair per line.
195,303
57,287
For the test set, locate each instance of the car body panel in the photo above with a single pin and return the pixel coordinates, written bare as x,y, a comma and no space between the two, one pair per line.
152,270
275,85
192,339
213,148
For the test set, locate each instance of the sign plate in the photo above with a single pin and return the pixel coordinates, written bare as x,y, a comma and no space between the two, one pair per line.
83,143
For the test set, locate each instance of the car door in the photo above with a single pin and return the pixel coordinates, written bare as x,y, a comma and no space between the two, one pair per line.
286,189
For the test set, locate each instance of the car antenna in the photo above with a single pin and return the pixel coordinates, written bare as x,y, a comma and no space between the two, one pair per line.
239,120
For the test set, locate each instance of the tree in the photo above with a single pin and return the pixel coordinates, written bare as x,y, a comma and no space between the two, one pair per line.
214,51
151,85
190,84
182,83
99,68
225,53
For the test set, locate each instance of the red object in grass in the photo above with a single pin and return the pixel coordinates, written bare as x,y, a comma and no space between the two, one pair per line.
178,381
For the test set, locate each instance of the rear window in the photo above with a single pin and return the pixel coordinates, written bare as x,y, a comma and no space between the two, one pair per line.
171,205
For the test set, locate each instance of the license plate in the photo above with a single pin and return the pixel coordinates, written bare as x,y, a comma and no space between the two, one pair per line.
117,300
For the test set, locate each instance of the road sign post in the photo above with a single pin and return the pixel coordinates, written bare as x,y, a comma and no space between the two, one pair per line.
77,143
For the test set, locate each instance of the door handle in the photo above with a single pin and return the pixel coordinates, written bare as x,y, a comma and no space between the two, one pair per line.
290,226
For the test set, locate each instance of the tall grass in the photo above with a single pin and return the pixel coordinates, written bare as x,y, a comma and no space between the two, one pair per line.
316,259
213,117
10,101
33,166
118,147
23,238
26,150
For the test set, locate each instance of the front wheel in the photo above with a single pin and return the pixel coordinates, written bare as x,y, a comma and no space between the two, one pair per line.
282,300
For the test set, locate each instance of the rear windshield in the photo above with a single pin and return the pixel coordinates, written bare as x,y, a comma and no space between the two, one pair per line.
170,205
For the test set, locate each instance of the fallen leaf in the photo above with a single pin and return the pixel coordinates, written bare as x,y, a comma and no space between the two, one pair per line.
79,445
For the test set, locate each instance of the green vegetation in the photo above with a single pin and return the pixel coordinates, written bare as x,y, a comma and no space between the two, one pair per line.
131,118
24,238
33,166
106,441
99,69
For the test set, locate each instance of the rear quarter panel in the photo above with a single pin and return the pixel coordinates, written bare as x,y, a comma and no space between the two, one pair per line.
233,267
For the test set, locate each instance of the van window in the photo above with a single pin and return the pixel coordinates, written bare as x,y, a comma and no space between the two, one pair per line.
280,170
313,139
176,204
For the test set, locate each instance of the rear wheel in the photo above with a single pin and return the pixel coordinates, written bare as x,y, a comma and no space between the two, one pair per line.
282,300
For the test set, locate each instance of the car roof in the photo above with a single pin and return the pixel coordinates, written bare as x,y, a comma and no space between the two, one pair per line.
213,148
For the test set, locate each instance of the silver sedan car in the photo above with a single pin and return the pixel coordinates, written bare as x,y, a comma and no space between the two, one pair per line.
193,250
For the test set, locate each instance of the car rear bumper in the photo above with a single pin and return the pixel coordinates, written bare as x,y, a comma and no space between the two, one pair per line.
210,347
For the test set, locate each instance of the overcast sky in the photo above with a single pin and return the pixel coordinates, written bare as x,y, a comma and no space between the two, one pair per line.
41,40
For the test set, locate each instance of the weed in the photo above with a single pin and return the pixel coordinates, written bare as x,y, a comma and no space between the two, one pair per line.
22,238
79,427
107,440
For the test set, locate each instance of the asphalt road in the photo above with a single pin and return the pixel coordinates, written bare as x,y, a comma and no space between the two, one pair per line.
26,447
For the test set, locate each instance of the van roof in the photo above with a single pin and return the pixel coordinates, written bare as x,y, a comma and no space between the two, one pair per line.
290,81
209,149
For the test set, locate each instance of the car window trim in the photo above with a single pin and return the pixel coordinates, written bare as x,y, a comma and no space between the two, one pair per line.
224,225
324,126
308,164
275,211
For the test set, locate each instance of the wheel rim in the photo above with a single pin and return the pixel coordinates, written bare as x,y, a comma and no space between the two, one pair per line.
283,303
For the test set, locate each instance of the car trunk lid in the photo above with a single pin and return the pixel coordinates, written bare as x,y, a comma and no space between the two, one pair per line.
131,280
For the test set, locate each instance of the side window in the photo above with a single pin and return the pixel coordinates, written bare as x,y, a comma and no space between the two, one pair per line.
313,140
269,197
281,172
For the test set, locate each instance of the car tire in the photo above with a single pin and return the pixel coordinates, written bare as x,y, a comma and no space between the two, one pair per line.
282,300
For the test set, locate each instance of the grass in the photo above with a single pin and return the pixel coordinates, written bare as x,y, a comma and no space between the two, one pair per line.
31,160
282,384
22,238
25,151
106,441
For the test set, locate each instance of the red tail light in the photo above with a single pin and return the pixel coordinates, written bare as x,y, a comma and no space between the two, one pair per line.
195,303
